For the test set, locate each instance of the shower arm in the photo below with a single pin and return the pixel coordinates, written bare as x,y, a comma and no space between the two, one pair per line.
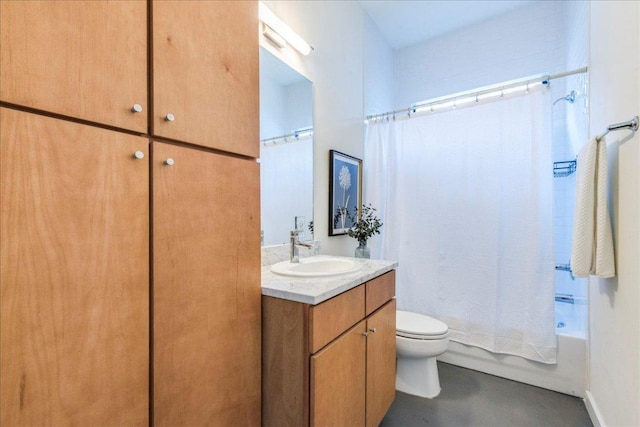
570,98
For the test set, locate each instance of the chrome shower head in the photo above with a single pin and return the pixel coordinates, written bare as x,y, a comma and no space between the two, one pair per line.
571,98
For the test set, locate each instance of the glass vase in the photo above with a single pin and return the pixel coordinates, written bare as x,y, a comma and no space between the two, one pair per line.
362,251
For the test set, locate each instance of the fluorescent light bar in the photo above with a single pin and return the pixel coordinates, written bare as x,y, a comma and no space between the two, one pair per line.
270,20
273,35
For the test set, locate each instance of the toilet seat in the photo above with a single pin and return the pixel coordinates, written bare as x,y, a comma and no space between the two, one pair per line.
419,326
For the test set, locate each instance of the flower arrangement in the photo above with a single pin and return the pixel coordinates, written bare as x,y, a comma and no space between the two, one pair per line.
365,227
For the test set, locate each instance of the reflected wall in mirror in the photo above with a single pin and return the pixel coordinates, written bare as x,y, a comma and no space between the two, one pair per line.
286,151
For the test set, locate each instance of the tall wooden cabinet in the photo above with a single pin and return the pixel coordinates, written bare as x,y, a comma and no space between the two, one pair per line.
129,244
74,279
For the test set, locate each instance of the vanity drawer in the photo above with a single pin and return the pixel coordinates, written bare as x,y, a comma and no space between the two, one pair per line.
380,290
332,317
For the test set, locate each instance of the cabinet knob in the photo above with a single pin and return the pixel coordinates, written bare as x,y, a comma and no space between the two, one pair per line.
169,162
373,330
365,334
138,155
136,108
169,117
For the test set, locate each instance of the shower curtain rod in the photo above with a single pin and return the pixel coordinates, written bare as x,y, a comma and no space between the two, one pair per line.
532,80
296,135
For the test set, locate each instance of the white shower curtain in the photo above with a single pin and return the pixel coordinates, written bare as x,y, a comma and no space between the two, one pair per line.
466,201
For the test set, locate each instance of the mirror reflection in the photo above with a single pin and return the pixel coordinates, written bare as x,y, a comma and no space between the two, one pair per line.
286,151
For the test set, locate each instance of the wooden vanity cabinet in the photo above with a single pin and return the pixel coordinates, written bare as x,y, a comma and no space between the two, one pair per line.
82,59
333,363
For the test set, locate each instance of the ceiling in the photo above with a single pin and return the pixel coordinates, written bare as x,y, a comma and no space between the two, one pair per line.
404,23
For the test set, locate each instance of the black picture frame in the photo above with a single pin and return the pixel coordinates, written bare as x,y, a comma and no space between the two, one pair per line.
345,191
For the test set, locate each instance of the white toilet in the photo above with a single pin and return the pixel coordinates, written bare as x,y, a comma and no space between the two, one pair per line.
419,339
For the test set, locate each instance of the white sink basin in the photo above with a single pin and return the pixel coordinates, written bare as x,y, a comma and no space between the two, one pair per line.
316,266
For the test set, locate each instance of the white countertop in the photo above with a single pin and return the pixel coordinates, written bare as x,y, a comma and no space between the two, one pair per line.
314,290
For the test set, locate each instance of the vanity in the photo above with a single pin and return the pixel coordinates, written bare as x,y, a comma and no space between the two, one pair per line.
328,347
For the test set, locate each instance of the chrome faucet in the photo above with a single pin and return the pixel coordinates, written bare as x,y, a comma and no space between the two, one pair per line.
293,252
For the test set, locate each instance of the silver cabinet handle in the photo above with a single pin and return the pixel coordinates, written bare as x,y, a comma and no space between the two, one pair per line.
373,330
138,155
365,334
136,108
169,117
169,162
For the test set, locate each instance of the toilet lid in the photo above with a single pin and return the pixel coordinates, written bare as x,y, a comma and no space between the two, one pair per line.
415,324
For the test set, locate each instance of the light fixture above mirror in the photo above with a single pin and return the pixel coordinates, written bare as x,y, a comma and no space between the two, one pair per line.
279,33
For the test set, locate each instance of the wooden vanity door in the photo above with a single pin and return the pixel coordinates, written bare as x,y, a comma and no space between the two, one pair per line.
338,381
381,363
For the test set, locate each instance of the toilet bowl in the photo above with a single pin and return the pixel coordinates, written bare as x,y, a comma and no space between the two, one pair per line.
419,340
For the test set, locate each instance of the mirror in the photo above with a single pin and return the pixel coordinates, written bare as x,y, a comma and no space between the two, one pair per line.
286,151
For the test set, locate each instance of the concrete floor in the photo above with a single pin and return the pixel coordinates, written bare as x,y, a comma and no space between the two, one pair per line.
471,398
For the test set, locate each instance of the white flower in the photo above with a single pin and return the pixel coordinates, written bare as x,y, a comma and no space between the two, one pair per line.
345,178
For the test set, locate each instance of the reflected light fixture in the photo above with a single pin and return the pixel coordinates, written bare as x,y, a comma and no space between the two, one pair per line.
274,29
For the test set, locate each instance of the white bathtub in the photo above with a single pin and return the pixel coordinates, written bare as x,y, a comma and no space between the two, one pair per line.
567,376
571,318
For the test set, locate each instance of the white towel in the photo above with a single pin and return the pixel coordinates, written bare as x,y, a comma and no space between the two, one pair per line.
592,245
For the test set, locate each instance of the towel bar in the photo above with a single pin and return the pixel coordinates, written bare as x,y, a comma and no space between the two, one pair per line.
631,124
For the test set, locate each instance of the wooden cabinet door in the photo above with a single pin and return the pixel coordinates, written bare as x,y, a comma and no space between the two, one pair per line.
206,292
381,363
205,73
84,59
338,381
74,274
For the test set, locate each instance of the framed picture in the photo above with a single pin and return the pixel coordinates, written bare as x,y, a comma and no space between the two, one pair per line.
345,191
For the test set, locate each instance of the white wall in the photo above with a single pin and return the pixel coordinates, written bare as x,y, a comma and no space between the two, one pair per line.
272,111
529,40
299,102
378,71
614,392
